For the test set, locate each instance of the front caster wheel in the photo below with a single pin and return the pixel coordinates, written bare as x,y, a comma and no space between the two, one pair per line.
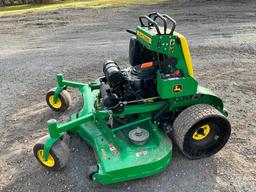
58,155
201,131
62,103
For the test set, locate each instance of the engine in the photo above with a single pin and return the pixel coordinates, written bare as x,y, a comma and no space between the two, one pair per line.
135,83
126,85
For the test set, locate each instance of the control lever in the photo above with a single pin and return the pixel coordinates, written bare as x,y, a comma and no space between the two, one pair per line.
131,31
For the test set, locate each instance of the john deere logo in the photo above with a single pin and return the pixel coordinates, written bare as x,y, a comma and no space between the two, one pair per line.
177,88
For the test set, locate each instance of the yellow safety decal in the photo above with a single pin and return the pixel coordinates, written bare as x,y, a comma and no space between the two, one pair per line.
186,53
144,37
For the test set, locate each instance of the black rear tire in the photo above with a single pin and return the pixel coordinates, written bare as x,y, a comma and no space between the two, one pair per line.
201,131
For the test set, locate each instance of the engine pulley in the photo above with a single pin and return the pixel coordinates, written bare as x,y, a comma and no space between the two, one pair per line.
138,136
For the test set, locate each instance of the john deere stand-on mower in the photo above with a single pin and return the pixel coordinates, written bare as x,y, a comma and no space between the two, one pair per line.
128,114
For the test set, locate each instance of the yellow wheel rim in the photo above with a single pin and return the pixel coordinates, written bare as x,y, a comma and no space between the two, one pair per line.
49,161
56,105
201,132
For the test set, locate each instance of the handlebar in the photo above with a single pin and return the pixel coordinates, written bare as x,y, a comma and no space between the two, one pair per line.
151,18
158,15
150,23
172,21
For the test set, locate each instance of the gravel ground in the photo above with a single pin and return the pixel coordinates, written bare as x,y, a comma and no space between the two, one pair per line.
76,42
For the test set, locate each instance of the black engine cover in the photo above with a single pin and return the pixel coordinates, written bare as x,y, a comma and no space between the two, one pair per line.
141,84
126,85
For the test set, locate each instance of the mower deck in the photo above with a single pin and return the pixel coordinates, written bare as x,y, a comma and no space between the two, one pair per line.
117,158
120,160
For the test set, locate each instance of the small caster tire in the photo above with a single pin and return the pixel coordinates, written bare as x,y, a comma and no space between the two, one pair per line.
58,155
63,100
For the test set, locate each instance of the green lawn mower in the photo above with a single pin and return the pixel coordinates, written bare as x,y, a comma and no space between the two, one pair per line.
131,116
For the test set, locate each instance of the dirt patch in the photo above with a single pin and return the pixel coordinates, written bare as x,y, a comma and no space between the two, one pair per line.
76,42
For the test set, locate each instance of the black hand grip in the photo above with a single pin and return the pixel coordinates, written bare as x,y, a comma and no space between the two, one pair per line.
158,15
131,31
151,21
172,21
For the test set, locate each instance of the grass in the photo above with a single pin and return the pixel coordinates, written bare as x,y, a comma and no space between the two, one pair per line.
31,8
